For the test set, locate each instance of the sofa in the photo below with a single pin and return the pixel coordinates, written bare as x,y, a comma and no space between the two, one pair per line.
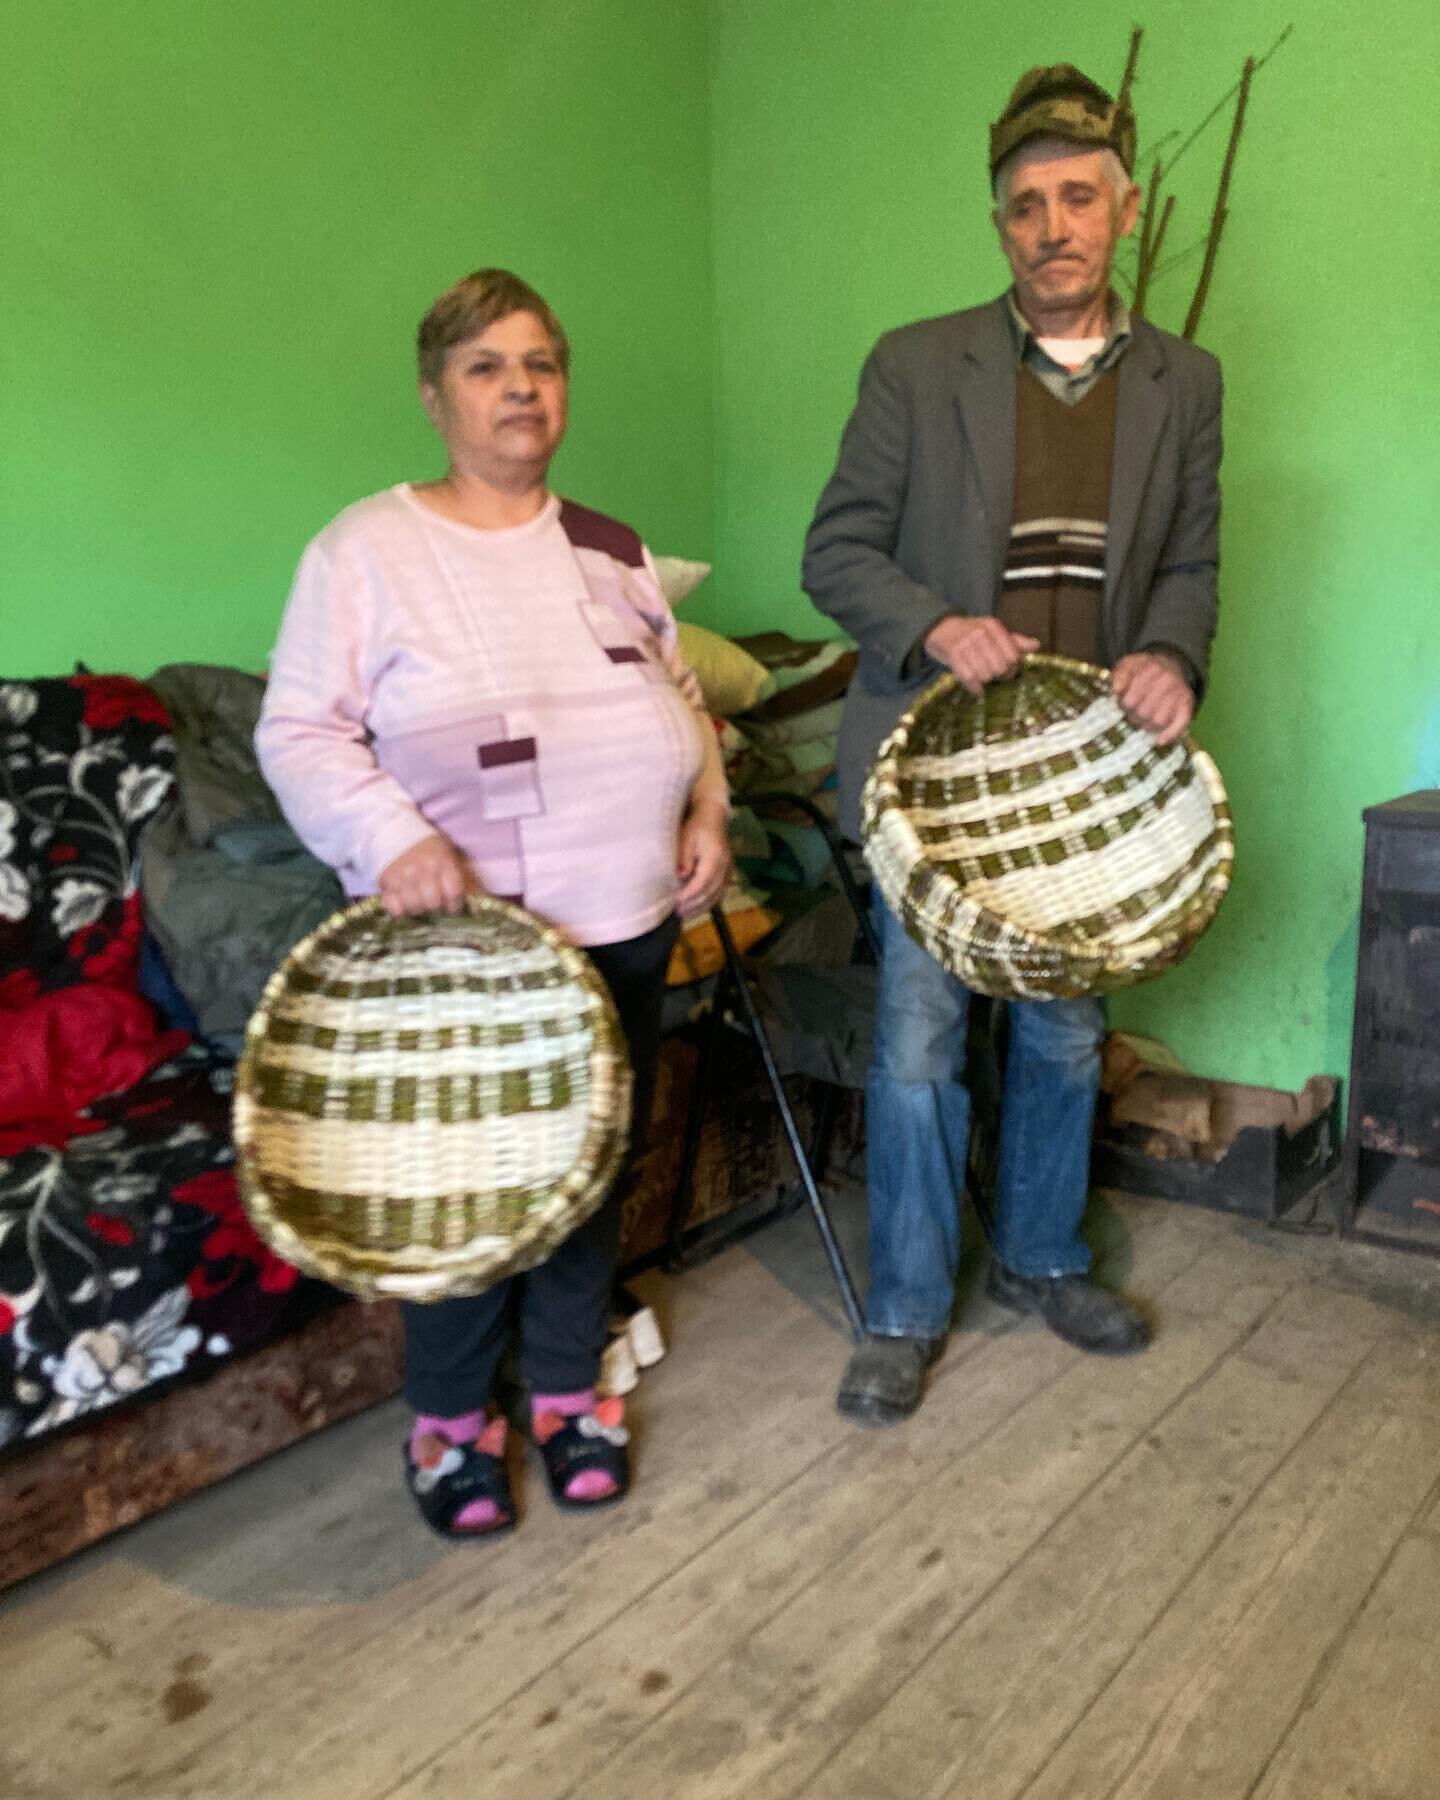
149,1342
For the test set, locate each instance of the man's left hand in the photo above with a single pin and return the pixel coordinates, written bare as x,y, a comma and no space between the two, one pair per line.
1153,689
702,859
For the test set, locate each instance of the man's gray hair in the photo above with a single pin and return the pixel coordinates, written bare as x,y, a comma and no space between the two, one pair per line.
1110,166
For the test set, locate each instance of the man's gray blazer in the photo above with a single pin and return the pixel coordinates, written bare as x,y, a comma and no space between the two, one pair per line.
915,521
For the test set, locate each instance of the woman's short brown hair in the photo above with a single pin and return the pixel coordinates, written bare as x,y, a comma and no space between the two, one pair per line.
474,304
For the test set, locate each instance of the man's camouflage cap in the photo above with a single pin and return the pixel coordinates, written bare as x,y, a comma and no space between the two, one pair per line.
1058,101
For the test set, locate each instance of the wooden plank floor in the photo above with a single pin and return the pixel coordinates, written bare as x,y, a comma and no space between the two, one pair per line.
1211,1571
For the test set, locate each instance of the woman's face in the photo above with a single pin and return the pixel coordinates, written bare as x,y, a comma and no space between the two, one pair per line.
500,403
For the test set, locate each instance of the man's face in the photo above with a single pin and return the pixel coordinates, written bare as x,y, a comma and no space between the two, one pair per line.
1059,221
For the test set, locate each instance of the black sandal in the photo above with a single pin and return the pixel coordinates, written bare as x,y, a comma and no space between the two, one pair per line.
444,1488
583,1443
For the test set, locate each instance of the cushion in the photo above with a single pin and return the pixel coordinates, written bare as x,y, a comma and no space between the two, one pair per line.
731,680
816,724
679,577
803,673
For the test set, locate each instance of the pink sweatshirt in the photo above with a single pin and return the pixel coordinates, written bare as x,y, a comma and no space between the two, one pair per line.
518,690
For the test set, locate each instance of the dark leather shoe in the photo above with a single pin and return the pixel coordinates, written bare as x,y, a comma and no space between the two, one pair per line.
884,1379
1074,1308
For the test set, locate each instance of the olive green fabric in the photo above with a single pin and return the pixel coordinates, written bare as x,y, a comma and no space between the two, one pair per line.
1058,101
228,887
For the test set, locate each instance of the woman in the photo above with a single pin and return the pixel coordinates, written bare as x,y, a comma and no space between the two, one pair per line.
477,686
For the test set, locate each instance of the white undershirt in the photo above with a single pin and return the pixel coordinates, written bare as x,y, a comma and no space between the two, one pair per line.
1071,353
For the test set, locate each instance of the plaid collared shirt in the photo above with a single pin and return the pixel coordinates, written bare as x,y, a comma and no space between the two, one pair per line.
1065,384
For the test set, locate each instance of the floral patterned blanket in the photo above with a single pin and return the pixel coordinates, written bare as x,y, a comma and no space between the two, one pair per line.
125,1259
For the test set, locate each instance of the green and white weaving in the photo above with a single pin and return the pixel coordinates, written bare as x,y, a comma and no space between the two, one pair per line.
1037,843
425,1106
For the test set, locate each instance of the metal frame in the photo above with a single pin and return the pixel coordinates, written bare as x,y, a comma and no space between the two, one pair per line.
688,1245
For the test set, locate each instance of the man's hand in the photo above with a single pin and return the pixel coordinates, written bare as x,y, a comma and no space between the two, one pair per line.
702,858
431,876
977,650
1153,689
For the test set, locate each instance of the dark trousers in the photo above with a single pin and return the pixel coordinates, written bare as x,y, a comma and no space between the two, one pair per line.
562,1308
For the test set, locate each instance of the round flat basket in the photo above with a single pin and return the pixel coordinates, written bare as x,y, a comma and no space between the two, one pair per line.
427,1105
1039,845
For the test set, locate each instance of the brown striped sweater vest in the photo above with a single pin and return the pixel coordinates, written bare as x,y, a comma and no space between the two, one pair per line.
1055,565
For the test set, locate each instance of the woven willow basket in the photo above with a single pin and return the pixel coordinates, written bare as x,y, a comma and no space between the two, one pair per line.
1038,844
425,1106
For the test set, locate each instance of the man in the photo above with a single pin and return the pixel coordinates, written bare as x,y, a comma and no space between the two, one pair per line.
1037,473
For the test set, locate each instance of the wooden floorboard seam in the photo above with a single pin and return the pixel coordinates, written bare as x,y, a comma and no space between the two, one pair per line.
783,1536
1175,1598
378,1629
946,1372
474,1725
973,1353
1077,1501
1242,1336
1315,1686
1333,1389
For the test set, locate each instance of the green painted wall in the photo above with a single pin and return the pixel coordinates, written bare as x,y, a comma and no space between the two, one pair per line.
850,196
218,228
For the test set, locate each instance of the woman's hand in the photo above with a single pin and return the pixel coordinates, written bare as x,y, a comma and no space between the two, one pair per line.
431,876
702,858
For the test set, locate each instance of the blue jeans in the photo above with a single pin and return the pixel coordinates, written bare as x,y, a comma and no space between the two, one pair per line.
917,1123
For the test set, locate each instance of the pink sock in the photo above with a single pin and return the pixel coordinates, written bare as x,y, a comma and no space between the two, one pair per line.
428,1438
548,1413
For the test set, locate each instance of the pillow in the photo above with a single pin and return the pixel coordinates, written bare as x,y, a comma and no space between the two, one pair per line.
802,674
819,722
731,680
679,578
799,768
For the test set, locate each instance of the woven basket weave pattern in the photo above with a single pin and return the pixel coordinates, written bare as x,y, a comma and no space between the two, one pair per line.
1037,843
425,1106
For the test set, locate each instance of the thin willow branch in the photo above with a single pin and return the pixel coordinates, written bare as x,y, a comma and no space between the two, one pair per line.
1217,222
1148,151
1253,64
1147,224
1147,233
1202,287
1181,257
1147,266
1128,80
1166,214
1126,269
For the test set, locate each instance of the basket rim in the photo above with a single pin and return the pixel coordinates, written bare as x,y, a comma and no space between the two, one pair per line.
1073,948
419,1272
